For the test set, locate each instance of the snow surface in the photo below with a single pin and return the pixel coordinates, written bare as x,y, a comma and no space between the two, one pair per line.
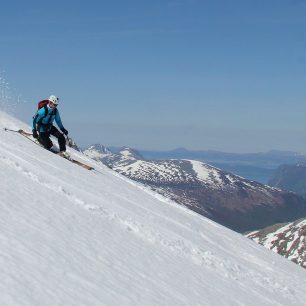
69,236
127,154
206,173
95,154
164,171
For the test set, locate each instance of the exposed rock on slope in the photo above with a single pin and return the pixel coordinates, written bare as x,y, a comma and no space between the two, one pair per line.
288,240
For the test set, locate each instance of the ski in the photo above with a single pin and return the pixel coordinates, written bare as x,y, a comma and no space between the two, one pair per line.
74,161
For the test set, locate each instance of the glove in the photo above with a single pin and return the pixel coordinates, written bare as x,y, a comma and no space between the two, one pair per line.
64,131
35,135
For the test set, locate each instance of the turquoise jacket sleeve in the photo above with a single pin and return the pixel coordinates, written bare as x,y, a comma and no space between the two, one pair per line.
58,120
39,114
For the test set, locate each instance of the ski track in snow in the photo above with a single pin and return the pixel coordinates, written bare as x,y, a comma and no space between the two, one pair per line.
47,184
200,257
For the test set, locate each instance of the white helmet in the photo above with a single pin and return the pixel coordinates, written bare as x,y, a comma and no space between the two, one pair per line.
53,99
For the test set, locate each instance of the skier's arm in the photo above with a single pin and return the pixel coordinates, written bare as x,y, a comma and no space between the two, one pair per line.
58,120
39,114
59,123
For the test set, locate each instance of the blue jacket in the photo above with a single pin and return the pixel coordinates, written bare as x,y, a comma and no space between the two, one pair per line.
43,122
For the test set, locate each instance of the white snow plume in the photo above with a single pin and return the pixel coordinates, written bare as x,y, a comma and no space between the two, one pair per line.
7,101
10,101
69,236
4,94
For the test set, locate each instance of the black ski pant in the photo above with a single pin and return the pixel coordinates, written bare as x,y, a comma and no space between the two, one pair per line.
44,139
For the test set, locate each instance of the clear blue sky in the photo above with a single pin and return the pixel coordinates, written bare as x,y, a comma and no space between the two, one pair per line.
218,74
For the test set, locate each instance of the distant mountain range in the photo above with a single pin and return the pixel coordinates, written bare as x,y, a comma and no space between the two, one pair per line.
254,166
271,158
288,240
291,177
228,199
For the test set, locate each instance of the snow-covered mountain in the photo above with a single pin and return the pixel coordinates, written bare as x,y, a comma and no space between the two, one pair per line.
124,156
97,151
228,199
69,236
287,239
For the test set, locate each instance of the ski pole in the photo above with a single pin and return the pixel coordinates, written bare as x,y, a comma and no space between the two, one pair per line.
15,131
67,140
71,143
18,131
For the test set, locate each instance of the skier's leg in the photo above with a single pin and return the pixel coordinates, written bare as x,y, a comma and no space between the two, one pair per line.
44,139
61,139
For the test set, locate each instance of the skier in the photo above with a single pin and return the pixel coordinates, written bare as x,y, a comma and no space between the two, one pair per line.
43,128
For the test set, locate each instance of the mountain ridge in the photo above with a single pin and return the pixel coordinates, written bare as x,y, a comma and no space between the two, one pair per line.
290,177
228,199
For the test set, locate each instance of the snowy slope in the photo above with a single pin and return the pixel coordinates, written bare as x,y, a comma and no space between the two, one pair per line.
69,236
